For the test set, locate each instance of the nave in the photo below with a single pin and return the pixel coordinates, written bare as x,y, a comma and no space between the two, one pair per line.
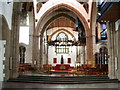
60,41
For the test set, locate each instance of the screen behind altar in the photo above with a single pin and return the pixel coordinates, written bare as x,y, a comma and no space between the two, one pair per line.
52,56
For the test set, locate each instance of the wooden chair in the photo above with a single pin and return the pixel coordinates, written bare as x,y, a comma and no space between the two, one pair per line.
47,67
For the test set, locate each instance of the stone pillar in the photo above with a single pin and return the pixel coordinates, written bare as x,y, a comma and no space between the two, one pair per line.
46,44
45,50
89,50
82,55
77,54
15,39
35,50
31,29
94,45
118,73
47,53
0,27
91,36
43,58
41,52
111,62
79,57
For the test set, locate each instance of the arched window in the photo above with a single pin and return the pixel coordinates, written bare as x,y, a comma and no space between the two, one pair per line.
22,50
62,40
102,56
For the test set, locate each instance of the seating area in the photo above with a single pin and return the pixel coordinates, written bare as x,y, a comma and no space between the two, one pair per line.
85,69
47,67
26,67
92,70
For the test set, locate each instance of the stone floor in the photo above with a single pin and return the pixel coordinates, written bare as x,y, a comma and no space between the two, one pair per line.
98,86
38,86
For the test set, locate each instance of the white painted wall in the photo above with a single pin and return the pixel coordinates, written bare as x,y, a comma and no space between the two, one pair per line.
6,11
24,35
2,51
52,54
44,54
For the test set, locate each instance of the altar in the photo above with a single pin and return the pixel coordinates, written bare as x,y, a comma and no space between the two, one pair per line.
64,67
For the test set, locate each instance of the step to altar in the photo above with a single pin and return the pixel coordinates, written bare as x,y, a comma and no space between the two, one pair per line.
63,80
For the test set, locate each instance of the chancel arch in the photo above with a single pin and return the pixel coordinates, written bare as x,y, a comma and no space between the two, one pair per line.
45,20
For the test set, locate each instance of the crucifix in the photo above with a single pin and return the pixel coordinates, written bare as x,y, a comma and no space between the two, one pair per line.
62,60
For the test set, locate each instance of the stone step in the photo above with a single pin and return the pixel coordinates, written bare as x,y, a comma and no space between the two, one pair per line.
70,80
63,80
37,77
67,82
49,78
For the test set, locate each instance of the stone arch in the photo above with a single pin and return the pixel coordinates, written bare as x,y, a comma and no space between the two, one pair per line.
103,47
101,58
55,17
71,18
4,27
60,30
79,11
82,15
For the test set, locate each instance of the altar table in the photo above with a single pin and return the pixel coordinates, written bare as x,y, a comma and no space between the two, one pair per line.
62,67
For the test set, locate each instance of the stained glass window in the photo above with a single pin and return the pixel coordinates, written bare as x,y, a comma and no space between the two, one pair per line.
62,39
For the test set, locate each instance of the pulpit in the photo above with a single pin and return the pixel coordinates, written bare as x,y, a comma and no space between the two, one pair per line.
64,67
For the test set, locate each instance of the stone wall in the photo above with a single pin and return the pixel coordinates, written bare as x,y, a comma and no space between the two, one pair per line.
2,60
114,50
